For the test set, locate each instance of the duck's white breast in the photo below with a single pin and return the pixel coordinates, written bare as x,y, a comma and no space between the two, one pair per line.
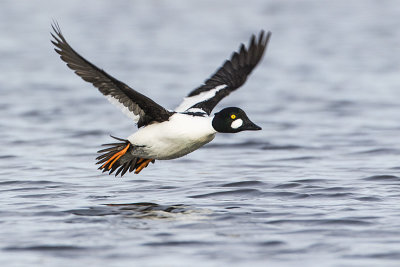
175,138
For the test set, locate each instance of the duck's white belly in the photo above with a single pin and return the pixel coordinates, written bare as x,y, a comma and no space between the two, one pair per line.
175,138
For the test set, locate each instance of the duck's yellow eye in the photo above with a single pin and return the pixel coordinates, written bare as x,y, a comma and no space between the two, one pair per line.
233,116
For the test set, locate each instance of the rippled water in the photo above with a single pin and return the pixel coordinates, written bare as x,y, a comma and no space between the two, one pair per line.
319,186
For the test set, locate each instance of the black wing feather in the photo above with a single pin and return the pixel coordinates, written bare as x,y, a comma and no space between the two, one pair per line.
233,72
138,104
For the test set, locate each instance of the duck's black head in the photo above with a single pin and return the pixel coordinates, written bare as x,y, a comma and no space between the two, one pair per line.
233,120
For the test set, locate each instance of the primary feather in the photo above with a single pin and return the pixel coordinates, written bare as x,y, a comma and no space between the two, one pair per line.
227,78
140,108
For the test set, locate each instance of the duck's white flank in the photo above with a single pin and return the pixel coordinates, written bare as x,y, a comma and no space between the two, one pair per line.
174,138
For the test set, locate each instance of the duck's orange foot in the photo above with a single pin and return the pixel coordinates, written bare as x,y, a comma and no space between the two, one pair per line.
120,157
110,162
142,163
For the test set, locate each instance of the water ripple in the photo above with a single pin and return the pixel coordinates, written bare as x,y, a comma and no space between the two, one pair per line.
321,222
142,210
46,248
383,178
178,243
239,192
243,184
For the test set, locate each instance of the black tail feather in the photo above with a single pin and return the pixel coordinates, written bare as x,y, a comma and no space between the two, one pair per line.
126,162
133,165
125,168
105,155
119,139
107,149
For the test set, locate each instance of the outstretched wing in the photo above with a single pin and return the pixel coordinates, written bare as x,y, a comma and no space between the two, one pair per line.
228,78
140,108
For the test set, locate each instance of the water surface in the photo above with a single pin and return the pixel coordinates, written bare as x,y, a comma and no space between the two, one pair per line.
320,183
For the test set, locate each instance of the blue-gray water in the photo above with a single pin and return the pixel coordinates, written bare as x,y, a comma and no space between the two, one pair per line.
319,186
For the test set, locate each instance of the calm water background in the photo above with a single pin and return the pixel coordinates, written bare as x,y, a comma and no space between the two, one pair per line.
319,186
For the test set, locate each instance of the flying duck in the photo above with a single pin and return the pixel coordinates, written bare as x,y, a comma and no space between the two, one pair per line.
164,134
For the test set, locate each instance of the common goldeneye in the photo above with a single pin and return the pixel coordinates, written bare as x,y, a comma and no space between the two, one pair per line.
165,134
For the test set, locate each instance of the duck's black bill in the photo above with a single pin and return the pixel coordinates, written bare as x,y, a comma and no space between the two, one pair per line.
250,126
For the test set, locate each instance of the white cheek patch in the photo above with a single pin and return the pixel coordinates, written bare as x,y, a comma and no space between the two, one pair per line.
236,123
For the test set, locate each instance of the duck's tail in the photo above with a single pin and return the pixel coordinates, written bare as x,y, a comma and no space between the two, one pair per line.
119,156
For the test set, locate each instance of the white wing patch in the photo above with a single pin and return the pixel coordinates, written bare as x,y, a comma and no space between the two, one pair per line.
124,109
196,110
193,100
